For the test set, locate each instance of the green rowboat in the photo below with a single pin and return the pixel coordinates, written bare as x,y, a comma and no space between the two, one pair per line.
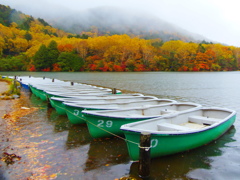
181,132
57,102
108,123
74,110
46,91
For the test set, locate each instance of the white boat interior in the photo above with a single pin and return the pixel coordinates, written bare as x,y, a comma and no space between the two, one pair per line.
144,110
112,96
145,101
110,100
106,98
85,96
73,94
191,121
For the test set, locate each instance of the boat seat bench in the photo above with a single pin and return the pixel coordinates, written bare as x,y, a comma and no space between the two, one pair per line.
167,111
203,120
171,127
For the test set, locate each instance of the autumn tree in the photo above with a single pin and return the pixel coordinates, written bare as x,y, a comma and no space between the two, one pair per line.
185,55
169,50
159,63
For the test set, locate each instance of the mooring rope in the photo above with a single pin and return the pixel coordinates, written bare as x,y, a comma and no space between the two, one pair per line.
98,126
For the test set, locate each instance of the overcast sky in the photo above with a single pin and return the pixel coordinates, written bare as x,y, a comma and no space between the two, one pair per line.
216,20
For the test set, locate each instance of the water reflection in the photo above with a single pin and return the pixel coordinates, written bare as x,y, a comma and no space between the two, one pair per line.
61,122
35,101
78,135
179,165
106,152
221,148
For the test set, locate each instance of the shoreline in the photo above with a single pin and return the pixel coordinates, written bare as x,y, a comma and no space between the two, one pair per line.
3,86
5,109
5,105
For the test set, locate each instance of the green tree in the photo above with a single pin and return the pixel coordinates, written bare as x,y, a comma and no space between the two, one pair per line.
17,64
201,48
11,64
4,65
27,23
70,61
5,12
43,22
53,53
28,36
40,58
130,65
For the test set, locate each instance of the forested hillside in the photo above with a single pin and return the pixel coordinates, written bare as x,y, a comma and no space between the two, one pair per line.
30,44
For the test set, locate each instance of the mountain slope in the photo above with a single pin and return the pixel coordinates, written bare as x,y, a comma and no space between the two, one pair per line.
111,21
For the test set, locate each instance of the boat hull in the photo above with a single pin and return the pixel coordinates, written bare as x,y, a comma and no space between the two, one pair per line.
39,93
25,86
106,126
166,144
75,115
108,123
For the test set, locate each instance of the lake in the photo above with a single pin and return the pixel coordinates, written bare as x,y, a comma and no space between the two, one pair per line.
59,150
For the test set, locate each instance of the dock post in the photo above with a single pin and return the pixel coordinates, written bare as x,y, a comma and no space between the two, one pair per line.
72,83
144,154
114,91
53,80
43,77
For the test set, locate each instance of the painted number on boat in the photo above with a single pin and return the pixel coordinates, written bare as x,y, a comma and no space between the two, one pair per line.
76,112
102,123
154,143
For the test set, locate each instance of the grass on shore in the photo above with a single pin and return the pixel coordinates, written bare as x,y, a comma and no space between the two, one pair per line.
13,91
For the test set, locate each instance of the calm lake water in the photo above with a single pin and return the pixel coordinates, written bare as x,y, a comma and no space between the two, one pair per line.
53,148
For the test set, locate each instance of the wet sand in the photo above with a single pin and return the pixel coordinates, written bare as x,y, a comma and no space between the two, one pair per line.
5,105
3,87
5,108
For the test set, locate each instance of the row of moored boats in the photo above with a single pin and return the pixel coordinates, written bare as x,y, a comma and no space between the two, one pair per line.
174,126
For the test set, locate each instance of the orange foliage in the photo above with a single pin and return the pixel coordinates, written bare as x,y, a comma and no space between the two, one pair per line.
104,68
117,68
46,69
183,68
56,67
95,57
140,67
32,68
195,68
92,67
65,48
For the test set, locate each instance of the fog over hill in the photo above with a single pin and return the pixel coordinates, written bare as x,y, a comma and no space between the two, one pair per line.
108,20
119,21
